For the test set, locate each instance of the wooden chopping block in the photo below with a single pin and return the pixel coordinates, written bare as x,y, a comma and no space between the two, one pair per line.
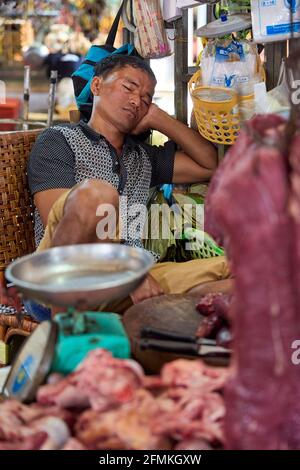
169,312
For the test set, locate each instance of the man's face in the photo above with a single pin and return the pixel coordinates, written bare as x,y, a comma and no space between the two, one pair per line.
124,97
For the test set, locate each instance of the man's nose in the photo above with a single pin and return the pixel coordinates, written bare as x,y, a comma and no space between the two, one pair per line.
135,101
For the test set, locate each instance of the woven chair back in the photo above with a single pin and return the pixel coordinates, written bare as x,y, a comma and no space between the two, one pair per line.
16,205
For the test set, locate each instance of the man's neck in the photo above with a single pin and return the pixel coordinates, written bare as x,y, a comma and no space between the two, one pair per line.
113,135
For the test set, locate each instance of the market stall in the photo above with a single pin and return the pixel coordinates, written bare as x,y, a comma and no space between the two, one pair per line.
212,368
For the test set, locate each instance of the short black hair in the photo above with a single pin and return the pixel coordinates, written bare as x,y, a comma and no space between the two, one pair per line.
117,61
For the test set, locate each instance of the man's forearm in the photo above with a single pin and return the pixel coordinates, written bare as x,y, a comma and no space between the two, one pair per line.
190,141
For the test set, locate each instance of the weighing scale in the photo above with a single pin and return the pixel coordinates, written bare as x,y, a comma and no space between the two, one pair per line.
78,277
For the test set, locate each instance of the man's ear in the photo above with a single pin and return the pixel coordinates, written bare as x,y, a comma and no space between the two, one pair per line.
96,85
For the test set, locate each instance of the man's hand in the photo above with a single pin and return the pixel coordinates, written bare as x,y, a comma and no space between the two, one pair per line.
149,120
197,159
149,288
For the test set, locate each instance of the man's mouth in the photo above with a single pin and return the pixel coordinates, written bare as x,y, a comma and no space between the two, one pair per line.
131,113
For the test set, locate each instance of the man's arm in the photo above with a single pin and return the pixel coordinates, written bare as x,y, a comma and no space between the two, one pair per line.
197,158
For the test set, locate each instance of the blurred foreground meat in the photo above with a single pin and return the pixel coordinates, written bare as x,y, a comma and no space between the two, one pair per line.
32,427
100,382
32,442
130,427
181,407
247,211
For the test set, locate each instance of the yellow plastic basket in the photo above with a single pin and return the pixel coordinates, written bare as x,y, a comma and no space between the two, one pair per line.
216,111
218,119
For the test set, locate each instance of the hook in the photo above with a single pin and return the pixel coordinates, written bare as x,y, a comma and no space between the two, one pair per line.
175,33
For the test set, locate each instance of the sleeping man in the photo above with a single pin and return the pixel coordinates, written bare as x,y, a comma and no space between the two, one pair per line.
75,169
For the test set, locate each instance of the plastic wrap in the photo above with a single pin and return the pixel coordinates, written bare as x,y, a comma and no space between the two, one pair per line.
231,64
271,19
276,100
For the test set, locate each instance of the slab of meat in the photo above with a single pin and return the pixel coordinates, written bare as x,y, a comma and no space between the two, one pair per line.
292,428
185,407
32,442
248,212
180,405
18,423
100,382
129,427
190,407
193,374
74,444
216,302
215,307
193,444
190,415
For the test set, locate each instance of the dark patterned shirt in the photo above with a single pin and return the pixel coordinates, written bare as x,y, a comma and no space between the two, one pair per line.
66,155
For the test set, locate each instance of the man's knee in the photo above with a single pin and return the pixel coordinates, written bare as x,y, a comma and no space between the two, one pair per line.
86,198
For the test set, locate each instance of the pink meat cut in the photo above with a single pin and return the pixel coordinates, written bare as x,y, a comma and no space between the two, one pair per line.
292,428
32,427
100,382
130,427
247,211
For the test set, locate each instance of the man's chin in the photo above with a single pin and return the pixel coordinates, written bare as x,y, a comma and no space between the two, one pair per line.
125,129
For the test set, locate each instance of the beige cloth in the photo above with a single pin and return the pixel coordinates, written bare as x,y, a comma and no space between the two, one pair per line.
174,278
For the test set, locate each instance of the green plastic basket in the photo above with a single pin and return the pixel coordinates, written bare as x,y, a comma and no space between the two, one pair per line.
205,246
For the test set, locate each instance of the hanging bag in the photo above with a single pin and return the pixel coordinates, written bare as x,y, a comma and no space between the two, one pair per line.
84,75
150,39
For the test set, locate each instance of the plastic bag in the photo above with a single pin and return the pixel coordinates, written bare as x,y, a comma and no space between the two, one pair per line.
231,64
276,100
150,39
281,92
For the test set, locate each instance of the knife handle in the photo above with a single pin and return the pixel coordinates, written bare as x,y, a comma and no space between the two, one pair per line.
169,346
158,333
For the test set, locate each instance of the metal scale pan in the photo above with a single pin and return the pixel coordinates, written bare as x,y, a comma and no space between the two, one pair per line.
78,276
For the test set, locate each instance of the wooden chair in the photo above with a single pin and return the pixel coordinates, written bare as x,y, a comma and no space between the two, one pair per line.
16,223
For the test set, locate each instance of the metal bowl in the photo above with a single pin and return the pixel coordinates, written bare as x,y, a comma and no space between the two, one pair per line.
80,275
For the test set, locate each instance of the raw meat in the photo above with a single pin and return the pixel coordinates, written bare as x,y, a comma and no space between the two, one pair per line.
247,210
180,405
193,374
33,442
292,428
193,444
216,323
100,382
128,428
190,415
74,444
19,422
215,303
